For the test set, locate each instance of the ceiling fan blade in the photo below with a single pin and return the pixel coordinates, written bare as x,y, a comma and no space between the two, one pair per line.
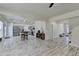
51,5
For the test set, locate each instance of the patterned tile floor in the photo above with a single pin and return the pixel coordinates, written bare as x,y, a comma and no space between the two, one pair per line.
32,47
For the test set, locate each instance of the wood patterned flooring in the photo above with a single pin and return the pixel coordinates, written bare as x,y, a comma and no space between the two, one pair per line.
17,47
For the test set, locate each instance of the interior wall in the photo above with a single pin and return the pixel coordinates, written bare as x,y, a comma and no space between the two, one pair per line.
65,16
75,37
49,28
54,30
74,22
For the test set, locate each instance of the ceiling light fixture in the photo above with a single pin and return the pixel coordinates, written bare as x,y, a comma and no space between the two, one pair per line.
51,5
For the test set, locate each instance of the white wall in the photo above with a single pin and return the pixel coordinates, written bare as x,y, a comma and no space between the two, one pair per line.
54,29
75,37
74,22
64,16
49,28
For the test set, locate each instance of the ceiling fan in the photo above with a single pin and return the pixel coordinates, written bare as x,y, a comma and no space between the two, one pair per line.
51,5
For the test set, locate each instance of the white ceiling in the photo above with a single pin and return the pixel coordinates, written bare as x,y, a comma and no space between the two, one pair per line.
38,11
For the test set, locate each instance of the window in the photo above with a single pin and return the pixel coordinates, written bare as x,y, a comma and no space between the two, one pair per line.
1,29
